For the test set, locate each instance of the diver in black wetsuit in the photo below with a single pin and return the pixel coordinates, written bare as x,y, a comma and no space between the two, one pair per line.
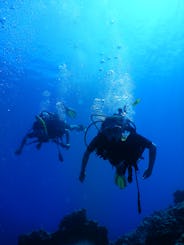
118,142
49,127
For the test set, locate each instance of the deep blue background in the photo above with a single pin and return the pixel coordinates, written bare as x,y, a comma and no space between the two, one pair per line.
75,51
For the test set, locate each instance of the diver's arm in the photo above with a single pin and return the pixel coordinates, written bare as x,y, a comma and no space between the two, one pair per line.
19,150
91,147
79,127
67,136
152,156
84,164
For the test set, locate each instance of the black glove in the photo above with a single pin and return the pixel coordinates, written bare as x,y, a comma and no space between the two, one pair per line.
18,152
81,127
147,173
82,176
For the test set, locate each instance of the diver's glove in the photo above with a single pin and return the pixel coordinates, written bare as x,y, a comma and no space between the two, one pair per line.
147,173
67,146
80,127
82,176
18,152
64,145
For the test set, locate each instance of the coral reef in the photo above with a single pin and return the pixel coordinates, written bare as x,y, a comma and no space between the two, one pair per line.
162,227
178,196
73,229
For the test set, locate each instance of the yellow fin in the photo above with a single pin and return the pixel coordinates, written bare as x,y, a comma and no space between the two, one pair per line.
136,102
70,112
120,181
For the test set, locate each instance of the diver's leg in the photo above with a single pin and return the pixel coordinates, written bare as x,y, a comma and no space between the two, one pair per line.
129,174
121,168
58,143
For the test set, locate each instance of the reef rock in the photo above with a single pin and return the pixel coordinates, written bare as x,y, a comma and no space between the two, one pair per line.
178,196
165,227
73,229
161,228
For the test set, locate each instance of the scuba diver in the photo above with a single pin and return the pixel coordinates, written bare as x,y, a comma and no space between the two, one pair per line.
118,126
118,142
49,127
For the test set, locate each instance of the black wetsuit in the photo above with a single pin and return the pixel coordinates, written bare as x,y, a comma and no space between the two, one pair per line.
117,151
55,127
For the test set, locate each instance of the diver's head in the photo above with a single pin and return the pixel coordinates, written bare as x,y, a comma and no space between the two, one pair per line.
120,111
44,115
113,134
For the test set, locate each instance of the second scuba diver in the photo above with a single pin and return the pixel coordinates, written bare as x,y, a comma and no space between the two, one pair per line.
49,127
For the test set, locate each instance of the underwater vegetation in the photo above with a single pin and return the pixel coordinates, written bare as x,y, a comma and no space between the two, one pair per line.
161,228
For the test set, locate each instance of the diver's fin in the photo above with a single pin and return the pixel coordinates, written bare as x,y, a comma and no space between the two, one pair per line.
136,102
120,181
70,112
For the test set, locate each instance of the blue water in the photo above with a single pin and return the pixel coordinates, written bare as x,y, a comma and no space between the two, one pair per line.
95,56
